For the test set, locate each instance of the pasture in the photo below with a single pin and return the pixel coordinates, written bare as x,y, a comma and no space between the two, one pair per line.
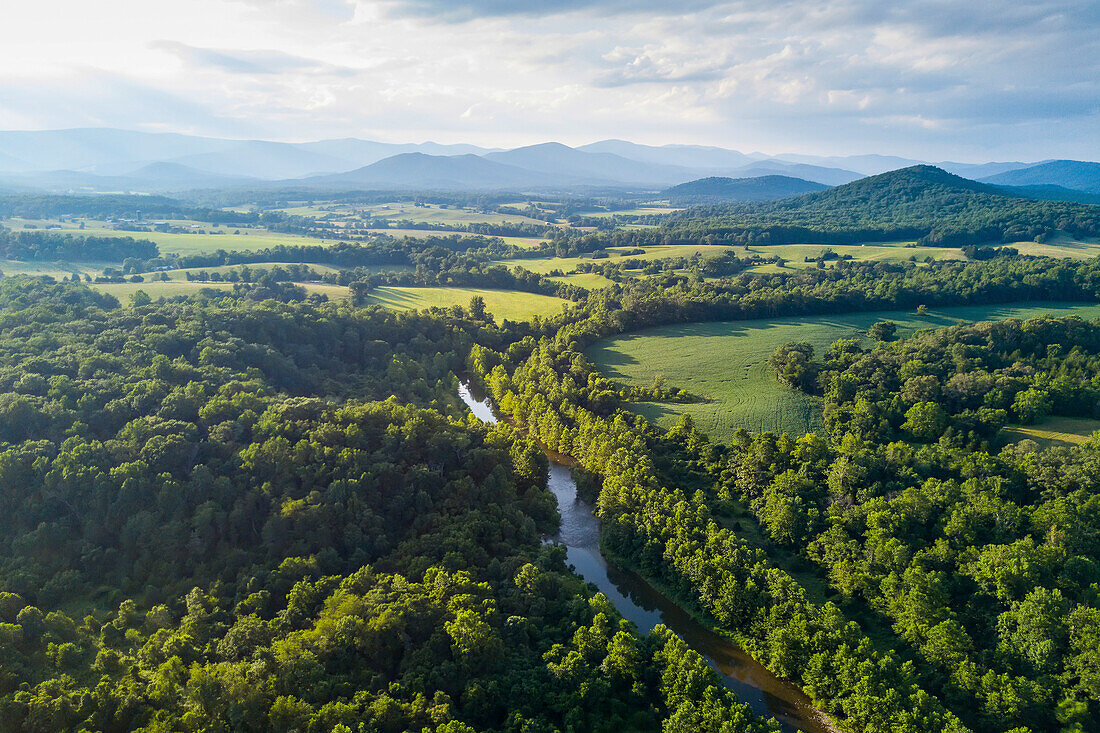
504,304
1053,431
726,362
172,288
247,239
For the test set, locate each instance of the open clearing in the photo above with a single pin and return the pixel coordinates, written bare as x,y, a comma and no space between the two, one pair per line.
726,362
249,239
1053,431
523,242
172,288
587,280
509,304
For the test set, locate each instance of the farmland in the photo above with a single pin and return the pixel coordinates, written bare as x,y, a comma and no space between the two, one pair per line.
504,304
725,363
201,240
172,288
1054,431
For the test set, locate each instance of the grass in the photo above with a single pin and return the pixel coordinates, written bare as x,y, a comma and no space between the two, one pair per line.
544,265
435,214
181,275
509,304
186,244
172,288
56,269
1053,431
726,362
524,242
587,280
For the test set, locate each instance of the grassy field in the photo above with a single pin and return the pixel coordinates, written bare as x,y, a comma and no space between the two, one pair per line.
186,244
1053,431
524,242
588,280
53,269
172,288
510,304
726,362
657,252
435,214
181,275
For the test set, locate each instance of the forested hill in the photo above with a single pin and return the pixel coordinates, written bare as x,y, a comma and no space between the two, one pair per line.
717,189
921,202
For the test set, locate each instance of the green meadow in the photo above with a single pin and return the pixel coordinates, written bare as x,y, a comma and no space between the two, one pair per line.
172,288
725,363
1053,431
509,304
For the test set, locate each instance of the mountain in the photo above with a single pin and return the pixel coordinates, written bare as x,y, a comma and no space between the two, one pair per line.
685,156
91,148
867,165
921,202
1074,174
110,152
357,153
718,189
1052,193
978,171
262,159
815,173
436,172
177,176
595,168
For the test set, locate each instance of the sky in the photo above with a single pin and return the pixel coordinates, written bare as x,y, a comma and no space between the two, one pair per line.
967,80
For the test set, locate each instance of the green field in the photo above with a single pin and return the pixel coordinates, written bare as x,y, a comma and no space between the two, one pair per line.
172,288
726,362
587,280
524,242
544,265
1053,431
186,244
53,269
435,214
181,275
510,304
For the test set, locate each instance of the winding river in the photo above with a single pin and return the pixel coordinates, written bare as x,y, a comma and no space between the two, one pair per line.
640,602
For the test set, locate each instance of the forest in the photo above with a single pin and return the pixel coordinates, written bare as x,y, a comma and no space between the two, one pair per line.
258,509
216,524
913,575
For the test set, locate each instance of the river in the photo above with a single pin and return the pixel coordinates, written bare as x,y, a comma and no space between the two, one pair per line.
640,602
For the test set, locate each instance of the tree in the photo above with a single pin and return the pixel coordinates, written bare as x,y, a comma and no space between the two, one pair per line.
883,331
925,421
140,298
794,366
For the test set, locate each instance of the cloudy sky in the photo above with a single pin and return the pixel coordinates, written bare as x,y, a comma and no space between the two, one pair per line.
936,79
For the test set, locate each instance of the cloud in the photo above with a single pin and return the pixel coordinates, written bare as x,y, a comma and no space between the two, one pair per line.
466,10
922,78
249,61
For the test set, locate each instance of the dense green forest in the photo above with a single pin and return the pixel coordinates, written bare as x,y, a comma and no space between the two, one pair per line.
213,523
904,584
921,203
256,510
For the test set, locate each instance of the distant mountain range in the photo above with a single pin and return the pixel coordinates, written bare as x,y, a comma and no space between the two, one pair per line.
1072,174
920,202
720,190
109,160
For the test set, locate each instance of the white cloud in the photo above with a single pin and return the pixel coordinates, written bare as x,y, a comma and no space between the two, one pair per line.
930,78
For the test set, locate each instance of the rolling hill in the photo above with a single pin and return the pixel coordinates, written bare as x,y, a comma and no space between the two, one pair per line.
702,157
920,202
1073,174
418,170
587,167
719,189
